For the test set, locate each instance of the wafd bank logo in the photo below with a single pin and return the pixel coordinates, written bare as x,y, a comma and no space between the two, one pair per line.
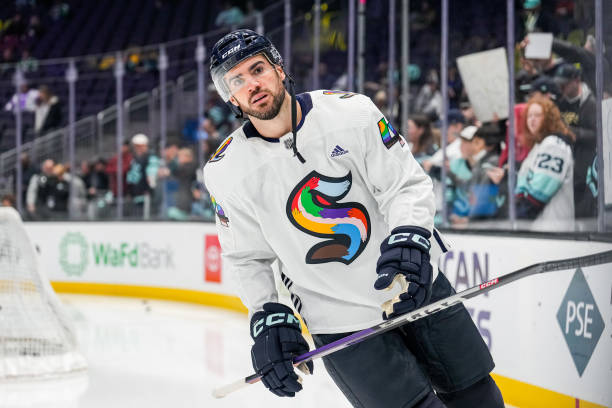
77,254
580,321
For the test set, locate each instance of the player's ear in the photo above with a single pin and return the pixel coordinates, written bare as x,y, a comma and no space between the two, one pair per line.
281,72
233,101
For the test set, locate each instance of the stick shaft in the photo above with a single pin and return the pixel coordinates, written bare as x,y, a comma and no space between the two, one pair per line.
357,337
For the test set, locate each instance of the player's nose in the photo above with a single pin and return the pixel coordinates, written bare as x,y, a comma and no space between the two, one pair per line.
253,85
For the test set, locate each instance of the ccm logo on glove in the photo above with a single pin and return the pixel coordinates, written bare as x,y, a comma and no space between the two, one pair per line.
273,320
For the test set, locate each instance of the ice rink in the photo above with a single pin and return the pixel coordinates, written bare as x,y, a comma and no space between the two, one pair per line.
151,353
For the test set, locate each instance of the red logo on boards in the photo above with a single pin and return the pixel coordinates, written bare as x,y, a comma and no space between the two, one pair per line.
489,283
212,259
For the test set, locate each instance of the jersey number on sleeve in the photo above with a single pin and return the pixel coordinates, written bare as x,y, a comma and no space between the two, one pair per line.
548,162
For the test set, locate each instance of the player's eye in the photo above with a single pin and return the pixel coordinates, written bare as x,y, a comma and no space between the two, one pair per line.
236,82
258,70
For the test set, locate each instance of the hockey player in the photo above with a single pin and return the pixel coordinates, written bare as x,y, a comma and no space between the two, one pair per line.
344,209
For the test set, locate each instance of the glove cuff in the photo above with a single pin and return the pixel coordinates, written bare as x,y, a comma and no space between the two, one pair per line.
273,315
407,236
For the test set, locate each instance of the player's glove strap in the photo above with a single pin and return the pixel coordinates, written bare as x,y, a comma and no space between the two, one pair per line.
405,252
278,339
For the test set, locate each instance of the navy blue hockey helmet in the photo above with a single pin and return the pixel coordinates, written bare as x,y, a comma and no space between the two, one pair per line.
234,48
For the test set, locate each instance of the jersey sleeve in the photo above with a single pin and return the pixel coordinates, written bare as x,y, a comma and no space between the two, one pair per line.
245,253
545,176
402,189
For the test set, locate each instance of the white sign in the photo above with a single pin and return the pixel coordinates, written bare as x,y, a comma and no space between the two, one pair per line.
485,76
540,46
606,110
167,255
532,328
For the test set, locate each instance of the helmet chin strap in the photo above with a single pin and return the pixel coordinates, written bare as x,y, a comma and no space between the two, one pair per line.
294,119
240,114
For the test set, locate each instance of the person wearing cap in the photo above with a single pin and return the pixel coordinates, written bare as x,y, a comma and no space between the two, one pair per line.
474,194
544,86
141,177
578,110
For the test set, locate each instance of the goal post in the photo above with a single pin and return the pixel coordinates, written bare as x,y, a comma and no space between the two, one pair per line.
36,337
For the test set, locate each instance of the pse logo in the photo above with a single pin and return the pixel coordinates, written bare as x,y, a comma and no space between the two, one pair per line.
580,321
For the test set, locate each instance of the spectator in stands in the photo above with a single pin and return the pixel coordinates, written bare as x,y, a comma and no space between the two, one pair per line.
48,113
429,99
420,137
112,168
39,191
544,188
8,57
455,123
455,88
578,110
536,19
8,200
185,175
230,16
35,29
468,111
475,195
28,63
28,170
16,26
141,177
59,10
585,56
27,99
544,86
171,156
94,177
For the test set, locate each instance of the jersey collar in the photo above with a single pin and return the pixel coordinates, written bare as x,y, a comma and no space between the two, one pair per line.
305,101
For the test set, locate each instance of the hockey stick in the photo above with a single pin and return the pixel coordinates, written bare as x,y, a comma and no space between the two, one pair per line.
558,265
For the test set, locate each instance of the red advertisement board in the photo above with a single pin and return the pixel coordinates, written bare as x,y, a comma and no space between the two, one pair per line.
212,259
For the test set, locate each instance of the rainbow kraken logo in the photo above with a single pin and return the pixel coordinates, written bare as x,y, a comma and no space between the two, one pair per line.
219,153
313,207
220,213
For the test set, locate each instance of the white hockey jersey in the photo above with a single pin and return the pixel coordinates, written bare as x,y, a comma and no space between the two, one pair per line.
547,176
323,219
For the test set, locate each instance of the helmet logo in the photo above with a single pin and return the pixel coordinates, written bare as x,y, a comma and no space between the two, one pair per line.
230,51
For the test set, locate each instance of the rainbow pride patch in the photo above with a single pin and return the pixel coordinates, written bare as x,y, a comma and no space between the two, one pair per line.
223,219
344,94
388,134
219,153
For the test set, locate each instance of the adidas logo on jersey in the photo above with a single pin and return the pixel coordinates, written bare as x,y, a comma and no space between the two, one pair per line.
338,151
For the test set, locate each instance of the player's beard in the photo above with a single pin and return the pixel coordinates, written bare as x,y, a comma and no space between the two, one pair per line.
272,110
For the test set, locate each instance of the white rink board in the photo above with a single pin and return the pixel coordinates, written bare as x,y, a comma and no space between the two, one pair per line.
169,255
519,321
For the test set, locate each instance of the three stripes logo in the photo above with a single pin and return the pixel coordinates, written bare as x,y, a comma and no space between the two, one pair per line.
338,151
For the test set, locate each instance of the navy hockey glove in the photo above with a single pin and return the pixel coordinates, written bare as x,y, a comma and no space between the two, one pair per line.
278,339
404,256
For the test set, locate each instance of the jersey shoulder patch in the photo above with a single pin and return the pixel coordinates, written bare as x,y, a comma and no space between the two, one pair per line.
389,135
220,152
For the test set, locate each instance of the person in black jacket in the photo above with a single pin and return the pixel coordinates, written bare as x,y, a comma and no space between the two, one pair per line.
578,110
48,113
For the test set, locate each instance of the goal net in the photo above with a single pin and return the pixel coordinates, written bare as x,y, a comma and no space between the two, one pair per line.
36,339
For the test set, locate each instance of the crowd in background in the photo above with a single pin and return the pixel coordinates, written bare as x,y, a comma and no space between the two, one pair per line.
555,135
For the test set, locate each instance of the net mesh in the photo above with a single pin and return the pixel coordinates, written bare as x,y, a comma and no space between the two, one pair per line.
36,339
